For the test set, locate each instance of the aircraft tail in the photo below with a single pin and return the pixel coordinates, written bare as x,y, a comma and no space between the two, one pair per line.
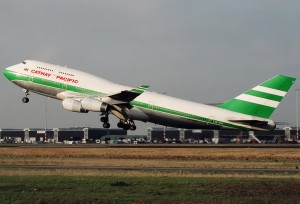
262,100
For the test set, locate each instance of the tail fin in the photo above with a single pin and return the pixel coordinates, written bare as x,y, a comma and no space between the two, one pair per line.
263,99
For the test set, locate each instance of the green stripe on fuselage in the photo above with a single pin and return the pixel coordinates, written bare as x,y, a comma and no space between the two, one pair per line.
186,115
13,76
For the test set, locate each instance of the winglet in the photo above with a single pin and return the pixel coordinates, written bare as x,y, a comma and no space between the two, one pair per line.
263,99
140,89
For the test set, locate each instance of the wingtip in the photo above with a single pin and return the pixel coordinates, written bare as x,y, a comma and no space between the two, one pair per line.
145,86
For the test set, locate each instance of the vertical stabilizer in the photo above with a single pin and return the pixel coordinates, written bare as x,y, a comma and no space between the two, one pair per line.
263,99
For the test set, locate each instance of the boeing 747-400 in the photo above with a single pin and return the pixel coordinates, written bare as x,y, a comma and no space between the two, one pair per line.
83,92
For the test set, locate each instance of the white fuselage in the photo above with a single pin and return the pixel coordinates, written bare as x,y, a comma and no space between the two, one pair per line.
60,83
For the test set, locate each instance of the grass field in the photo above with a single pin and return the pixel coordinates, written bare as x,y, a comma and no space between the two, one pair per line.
48,185
71,189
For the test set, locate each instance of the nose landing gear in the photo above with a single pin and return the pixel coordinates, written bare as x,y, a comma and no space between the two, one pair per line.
25,99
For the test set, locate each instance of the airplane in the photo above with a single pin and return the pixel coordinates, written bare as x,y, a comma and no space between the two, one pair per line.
82,92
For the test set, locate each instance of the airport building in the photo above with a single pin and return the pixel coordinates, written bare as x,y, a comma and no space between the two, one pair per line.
154,135
174,135
56,135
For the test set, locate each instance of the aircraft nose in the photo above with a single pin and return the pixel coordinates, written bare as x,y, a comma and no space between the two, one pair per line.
7,73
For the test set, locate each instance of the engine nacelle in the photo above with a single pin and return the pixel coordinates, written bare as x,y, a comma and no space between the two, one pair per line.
95,105
73,105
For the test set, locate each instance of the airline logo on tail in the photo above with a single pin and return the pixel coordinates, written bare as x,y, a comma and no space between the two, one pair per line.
263,99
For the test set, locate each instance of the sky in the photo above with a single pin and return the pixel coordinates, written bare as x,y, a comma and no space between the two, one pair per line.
203,51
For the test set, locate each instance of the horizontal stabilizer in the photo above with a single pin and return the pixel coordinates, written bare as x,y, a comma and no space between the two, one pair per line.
251,122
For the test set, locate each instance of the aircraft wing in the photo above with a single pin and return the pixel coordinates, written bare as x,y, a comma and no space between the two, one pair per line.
123,97
126,96
120,102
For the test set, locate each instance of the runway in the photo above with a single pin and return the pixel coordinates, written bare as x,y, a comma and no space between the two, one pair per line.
232,146
215,170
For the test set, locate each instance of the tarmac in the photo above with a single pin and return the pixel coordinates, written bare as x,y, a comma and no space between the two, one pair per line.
231,146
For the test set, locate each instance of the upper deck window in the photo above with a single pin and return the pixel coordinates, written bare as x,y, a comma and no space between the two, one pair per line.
50,70
66,73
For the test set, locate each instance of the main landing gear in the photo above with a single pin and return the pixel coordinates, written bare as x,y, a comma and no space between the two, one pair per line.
105,121
126,125
25,99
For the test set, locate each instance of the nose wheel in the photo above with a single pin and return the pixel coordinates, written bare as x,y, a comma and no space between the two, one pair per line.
25,99
106,125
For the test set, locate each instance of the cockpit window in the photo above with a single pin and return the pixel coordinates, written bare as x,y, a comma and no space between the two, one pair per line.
24,62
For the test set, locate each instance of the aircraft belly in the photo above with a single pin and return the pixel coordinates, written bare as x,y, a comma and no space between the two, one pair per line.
39,89
137,114
176,121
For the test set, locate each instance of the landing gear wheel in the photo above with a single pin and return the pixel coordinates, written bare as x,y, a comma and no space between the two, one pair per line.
126,127
120,125
106,125
132,127
104,119
25,100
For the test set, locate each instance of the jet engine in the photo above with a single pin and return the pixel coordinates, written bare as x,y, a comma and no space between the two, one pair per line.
73,105
95,105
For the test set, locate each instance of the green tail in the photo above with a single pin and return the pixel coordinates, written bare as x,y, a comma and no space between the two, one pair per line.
263,99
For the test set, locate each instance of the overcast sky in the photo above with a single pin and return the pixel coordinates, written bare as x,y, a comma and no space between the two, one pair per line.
204,51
